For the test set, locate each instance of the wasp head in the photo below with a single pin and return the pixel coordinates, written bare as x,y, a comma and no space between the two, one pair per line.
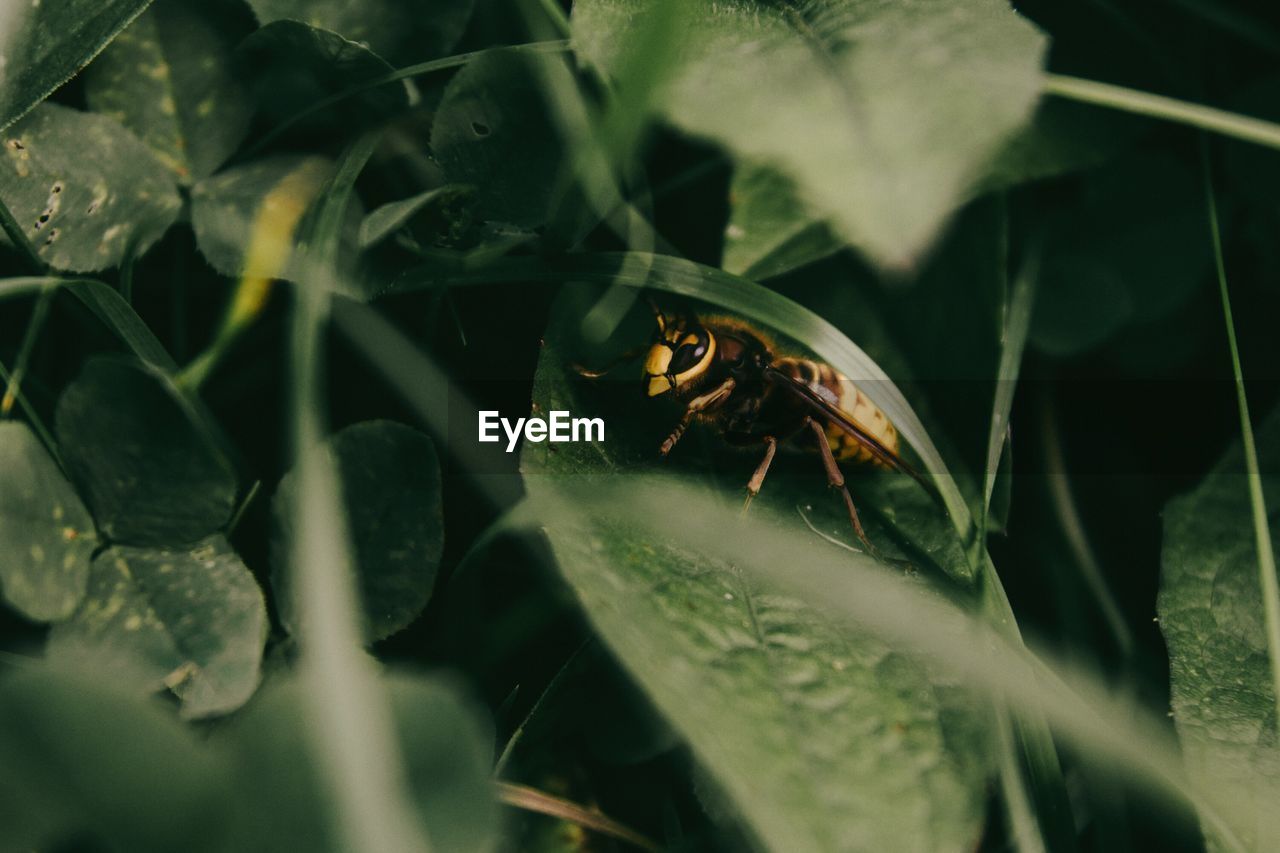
681,352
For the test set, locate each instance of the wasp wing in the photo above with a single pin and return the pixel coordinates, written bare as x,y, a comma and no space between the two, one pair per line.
834,414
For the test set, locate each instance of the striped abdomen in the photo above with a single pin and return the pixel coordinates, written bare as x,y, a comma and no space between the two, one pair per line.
837,388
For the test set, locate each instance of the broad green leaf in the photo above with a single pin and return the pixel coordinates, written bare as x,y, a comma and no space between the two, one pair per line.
190,619
392,493
46,534
824,737
83,188
225,207
290,66
169,79
83,762
883,114
494,130
1211,613
43,45
148,459
771,231
384,221
403,31
446,750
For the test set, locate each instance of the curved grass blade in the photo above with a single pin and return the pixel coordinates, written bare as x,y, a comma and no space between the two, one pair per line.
111,308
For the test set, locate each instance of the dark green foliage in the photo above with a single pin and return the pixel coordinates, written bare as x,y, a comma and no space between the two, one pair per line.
391,489
84,207
45,531
149,462
189,619
240,480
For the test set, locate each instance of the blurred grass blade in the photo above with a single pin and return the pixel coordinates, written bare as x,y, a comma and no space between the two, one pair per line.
39,312
351,728
531,799
1270,588
1013,341
1160,106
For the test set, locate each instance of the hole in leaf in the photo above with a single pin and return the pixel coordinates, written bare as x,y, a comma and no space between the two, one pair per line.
480,129
56,188
16,145
53,235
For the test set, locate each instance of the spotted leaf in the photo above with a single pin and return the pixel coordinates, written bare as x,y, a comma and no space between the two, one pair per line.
169,79
46,534
83,188
191,620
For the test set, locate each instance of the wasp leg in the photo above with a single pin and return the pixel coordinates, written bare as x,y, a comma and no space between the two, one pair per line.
685,420
757,479
696,405
835,479
629,355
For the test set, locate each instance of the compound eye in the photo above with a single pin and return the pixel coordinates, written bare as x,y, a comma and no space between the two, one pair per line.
687,357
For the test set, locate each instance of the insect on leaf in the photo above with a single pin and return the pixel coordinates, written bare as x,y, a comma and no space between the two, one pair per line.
823,737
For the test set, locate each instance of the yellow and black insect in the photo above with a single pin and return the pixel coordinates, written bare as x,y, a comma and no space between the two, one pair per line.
732,377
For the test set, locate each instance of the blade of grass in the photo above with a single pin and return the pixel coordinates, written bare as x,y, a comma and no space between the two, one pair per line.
352,732
33,418
533,800
1261,531
109,307
1043,784
1161,106
1068,515
39,313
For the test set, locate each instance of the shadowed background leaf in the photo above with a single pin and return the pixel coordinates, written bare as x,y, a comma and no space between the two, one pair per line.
168,78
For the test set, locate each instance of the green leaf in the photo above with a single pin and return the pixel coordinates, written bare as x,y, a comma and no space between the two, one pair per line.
883,114
189,619
392,493
43,45
446,749
148,460
824,737
290,66
84,188
771,231
85,760
403,32
225,208
45,531
495,130
1211,613
168,78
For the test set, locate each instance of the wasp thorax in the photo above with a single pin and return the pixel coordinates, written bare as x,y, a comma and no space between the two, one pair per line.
678,356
